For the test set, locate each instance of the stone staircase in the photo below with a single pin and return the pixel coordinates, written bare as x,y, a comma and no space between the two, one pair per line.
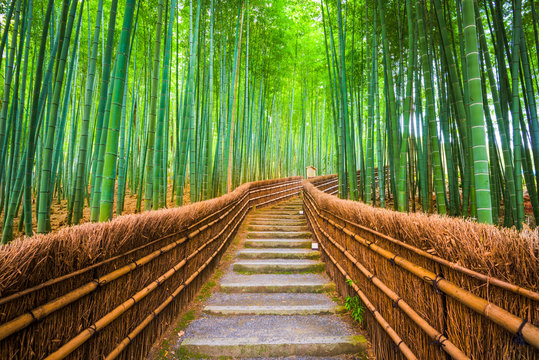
273,302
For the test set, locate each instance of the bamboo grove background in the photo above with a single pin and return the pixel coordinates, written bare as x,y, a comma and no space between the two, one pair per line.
153,98
451,110
165,100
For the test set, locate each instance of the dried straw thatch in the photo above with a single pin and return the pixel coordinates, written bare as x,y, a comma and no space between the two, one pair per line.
116,277
497,252
494,266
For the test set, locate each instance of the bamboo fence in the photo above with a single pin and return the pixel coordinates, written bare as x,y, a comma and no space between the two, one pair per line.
109,290
434,287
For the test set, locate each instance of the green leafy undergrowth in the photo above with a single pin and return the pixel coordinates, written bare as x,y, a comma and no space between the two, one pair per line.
354,305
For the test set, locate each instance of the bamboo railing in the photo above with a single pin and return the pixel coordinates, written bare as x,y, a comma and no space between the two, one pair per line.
436,307
108,309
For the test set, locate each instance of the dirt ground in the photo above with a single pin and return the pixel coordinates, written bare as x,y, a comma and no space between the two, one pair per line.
59,210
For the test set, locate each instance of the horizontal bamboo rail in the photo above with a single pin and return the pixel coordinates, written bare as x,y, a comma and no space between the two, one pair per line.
225,218
54,281
41,312
486,279
515,325
137,330
397,340
434,334
86,334
459,268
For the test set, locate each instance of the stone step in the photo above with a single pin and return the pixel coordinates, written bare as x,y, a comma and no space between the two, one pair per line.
271,336
279,235
278,227
288,208
273,266
280,212
275,283
277,253
258,216
278,222
273,310
271,304
278,243
280,219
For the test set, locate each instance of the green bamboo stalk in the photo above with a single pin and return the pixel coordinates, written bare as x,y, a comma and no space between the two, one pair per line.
45,190
402,186
151,193
479,150
109,170
431,114
158,152
102,120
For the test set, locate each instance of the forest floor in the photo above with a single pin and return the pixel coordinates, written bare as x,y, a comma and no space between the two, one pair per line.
59,210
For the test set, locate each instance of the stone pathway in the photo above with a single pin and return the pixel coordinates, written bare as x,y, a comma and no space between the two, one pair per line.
273,301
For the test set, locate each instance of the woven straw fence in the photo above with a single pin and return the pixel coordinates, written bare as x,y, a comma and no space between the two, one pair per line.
110,290
433,287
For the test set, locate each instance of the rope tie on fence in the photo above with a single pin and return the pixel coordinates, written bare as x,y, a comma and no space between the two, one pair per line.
369,243
371,277
92,329
438,340
435,282
392,260
31,312
396,346
518,339
99,282
137,265
396,303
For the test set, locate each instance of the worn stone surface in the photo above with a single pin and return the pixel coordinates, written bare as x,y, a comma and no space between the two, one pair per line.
272,304
278,227
274,283
276,253
296,217
278,243
269,266
273,301
278,221
266,335
279,235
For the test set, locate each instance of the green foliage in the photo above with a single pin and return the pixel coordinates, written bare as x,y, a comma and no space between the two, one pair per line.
354,305
341,85
356,308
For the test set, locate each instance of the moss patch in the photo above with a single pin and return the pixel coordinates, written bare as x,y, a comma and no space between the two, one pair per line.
206,290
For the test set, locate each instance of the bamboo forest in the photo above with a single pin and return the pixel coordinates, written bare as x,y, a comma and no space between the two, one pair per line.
152,98
408,125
